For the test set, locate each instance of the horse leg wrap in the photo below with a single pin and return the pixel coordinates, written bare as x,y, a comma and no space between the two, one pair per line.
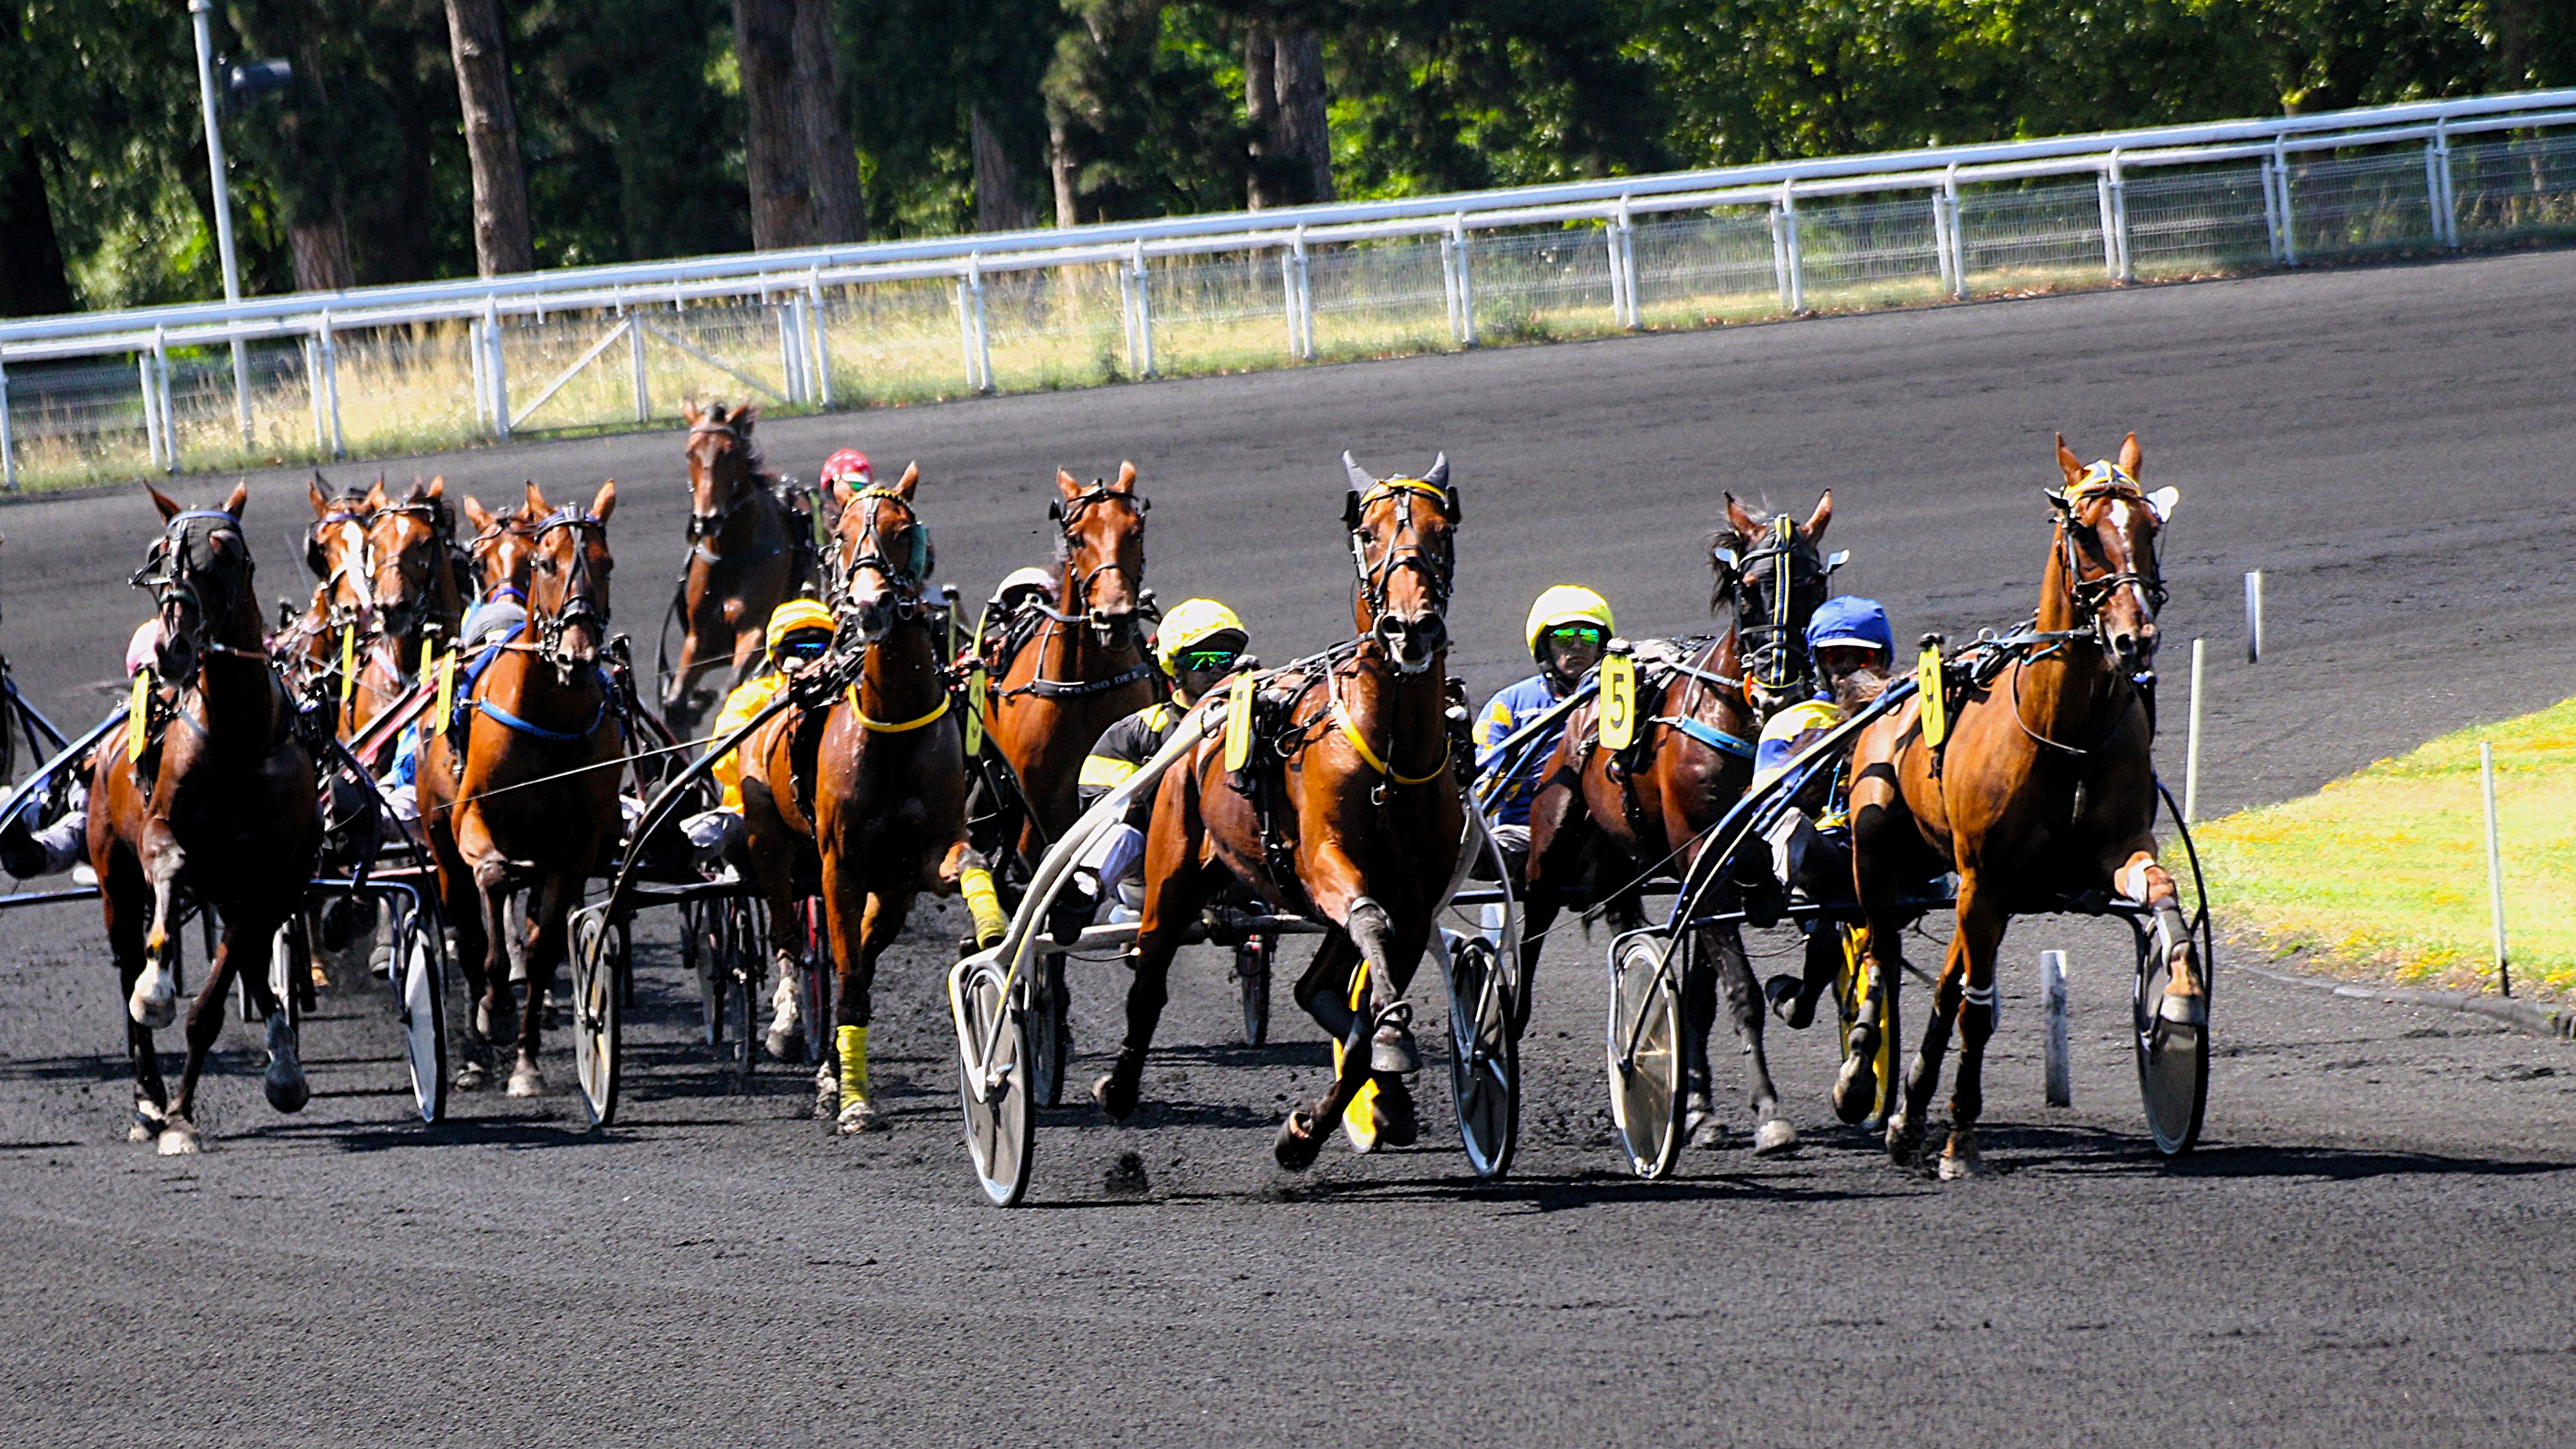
852,1042
984,904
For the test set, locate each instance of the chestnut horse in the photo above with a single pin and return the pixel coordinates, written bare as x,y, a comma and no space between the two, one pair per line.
885,810
745,559
1086,667
1610,816
1358,825
2044,793
215,808
503,550
309,647
519,789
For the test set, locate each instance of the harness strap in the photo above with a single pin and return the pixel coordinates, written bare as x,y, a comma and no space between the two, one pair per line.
1709,735
880,727
1082,688
504,717
1369,757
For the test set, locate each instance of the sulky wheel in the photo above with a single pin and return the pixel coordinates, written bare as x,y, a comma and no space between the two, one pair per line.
1646,1039
1252,976
1050,1018
993,1083
702,952
418,967
596,1006
1484,1055
2173,1058
744,959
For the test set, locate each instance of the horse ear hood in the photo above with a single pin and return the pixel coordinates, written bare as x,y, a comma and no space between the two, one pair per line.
2162,501
1361,482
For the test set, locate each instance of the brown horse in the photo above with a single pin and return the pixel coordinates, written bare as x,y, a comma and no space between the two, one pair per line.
1359,826
504,547
2043,794
1084,666
885,813
519,789
745,559
205,798
1605,816
310,647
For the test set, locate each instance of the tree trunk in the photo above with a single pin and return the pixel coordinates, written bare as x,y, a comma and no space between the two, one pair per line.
501,237
831,161
1283,105
998,206
1261,116
320,248
1060,164
32,280
782,199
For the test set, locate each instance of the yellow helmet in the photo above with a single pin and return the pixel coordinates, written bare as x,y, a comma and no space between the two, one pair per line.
1567,604
795,616
1193,622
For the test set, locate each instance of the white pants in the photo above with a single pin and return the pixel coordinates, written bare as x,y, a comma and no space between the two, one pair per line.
1115,860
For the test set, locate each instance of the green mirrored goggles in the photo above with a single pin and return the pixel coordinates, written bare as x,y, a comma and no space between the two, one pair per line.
1587,635
1199,660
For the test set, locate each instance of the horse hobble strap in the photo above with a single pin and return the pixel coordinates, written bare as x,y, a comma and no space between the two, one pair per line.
1081,688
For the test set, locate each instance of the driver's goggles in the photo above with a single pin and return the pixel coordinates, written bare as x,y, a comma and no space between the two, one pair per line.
1195,661
805,646
1587,636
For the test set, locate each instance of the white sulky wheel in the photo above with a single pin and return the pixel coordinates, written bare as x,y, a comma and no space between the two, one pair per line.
596,1007
1048,1031
995,1091
1645,1042
420,1004
2173,1058
1484,1055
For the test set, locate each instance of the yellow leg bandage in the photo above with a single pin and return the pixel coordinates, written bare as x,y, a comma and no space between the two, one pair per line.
852,1043
984,904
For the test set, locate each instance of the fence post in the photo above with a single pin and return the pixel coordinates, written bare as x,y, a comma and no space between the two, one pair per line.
2437,183
2289,250
1466,283
635,362
966,328
2115,219
983,337
1449,280
791,369
1940,238
151,406
2495,867
1144,316
1791,260
330,386
241,389
161,389
2057,1074
8,445
474,365
1305,298
819,334
497,368
1958,234
1623,262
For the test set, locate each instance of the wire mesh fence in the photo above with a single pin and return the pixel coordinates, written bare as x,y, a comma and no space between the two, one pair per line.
1024,321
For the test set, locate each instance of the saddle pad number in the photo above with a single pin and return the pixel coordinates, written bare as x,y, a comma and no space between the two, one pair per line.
1936,706
1618,702
1238,722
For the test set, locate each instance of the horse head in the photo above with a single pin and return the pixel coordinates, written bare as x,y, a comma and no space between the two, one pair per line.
337,553
722,464
881,555
407,542
568,580
1404,547
2107,524
199,572
1100,549
1769,567
503,548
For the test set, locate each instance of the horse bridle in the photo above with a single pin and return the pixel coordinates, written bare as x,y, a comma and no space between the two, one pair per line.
1774,656
868,551
705,526
172,577
361,576
579,603
501,527
1066,514
2107,481
434,517
1436,565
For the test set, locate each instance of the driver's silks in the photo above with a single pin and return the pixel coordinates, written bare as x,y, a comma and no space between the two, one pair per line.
1618,702
1936,704
975,708
1238,722
138,715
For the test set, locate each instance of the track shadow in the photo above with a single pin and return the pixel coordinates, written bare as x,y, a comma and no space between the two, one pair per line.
87,1068
1549,1194
2346,1165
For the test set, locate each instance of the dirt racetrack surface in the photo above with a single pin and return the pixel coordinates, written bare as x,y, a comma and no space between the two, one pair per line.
2369,1246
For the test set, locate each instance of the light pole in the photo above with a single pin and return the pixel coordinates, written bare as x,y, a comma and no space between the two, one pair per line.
202,11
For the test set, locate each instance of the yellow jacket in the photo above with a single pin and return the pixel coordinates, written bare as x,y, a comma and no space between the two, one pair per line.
748,698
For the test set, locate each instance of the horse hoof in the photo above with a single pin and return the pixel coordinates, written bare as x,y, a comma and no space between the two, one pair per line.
179,1138
527,1081
285,1085
147,1124
289,1094
1116,1097
1398,1125
155,1002
859,1116
1856,1090
1959,1158
1904,1139
2192,1010
786,1046
1703,1129
1391,1049
1775,1138
1298,1142
471,1076
496,1023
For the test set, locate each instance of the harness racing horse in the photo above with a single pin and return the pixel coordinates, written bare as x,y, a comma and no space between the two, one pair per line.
503,550
205,797
1609,815
2042,796
1355,817
518,788
885,809
317,650
419,596
745,559
1080,667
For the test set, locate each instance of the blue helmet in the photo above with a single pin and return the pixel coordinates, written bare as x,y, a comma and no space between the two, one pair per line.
1848,619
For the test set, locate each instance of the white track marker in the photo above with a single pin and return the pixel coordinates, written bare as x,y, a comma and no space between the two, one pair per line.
2058,1074
2254,617
2191,742
2495,867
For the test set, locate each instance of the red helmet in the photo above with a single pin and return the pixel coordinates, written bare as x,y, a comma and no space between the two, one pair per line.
849,466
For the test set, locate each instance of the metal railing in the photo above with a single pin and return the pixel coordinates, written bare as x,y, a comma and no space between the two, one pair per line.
825,327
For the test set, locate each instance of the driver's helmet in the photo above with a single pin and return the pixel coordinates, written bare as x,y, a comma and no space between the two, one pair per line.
798,616
1562,605
1020,585
1848,620
1196,625
848,467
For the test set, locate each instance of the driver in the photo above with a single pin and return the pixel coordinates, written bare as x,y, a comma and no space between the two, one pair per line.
799,633
1199,644
1014,594
1569,627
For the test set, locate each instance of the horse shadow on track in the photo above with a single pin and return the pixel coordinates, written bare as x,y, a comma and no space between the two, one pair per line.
2089,1149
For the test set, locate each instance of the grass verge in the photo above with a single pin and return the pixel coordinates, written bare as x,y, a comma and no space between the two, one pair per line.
2382,874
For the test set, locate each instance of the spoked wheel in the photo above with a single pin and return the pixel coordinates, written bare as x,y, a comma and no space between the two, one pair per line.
597,1004
1646,1052
1050,1032
2173,1058
742,971
1252,976
993,1083
1484,1055
418,968
1852,992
